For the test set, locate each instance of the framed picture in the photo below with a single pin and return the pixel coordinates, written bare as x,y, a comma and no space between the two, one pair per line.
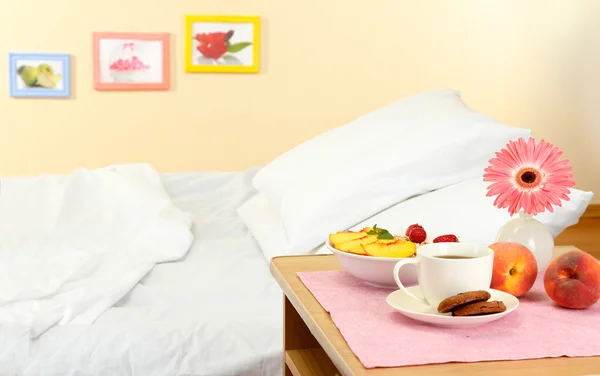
39,75
131,61
226,44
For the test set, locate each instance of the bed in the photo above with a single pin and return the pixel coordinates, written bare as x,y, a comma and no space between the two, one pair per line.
217,311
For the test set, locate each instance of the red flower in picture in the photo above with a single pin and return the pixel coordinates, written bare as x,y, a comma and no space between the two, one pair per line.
216,45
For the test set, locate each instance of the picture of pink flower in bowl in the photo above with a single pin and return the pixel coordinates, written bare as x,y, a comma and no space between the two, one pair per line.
131,61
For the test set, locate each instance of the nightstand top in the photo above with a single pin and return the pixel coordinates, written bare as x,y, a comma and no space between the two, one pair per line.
321,326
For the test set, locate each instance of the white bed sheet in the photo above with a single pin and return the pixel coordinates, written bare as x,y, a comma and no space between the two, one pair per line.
216,312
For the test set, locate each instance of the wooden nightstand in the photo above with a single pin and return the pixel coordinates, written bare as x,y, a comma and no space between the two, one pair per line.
314,346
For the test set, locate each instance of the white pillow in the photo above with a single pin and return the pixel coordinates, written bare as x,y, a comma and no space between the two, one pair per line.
410,147
264,224
462,209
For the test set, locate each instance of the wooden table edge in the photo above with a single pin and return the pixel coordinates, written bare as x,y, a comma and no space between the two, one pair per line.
302,310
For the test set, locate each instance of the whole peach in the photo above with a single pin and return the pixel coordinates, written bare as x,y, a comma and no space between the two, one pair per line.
573,280
515,268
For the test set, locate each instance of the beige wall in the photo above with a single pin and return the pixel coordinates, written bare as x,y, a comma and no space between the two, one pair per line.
529,63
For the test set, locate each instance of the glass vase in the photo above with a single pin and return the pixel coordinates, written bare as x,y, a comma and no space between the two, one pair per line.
533,234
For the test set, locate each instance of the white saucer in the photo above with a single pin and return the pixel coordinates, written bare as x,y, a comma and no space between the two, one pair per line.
411,308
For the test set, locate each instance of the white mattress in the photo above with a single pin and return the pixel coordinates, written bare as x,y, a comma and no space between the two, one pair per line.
217,312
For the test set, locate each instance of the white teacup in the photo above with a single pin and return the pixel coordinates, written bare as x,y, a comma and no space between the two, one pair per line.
446,269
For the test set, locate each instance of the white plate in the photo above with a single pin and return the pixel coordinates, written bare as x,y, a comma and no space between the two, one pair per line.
427,314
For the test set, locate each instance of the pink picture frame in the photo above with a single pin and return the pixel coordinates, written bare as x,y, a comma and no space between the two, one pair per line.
131,61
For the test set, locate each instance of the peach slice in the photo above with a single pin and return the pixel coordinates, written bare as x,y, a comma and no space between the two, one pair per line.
355,246
394,248
341,237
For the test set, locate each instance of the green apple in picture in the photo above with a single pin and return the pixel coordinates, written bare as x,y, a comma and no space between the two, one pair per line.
41,76
28,74
48,82
47,78
46,69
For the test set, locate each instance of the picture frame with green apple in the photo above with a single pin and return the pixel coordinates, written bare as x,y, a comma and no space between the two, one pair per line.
40,75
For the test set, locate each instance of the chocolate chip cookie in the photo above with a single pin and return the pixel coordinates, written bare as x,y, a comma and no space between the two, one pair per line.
451,303
479,308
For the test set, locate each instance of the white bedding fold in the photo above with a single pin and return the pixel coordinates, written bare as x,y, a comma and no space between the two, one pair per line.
72,245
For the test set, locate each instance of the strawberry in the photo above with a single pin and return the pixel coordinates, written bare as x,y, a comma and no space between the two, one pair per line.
411,227
417,235
446,239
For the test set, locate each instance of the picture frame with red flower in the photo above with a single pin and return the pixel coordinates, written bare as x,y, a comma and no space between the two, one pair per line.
222,44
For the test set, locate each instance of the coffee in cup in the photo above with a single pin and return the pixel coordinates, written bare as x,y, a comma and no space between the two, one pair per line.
447,269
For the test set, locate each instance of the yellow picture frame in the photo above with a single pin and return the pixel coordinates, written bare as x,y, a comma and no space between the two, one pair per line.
204,55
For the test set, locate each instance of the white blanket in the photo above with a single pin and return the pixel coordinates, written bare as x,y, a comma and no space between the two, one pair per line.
72,245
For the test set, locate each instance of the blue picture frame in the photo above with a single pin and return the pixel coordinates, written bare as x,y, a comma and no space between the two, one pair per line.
18,88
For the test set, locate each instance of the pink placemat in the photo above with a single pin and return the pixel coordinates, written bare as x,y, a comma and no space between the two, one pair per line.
382,337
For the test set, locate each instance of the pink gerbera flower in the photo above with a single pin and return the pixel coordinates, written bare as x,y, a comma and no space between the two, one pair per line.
529,177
